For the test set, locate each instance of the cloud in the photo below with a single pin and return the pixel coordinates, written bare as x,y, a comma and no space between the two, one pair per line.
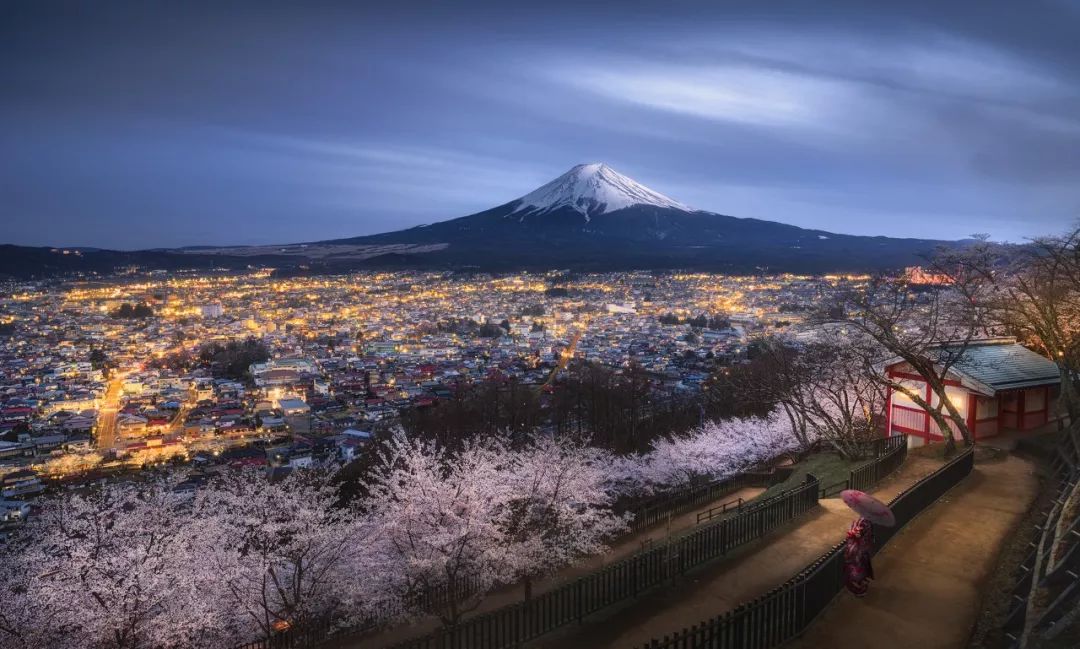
740,94
160,127
823,84
380,174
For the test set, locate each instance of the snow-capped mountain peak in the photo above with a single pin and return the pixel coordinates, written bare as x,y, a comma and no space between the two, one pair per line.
592,189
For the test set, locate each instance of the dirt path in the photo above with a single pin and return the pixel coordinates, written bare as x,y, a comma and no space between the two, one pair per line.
930,576
626,546
741,576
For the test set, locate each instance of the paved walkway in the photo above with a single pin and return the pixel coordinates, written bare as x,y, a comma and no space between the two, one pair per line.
930,576
740,577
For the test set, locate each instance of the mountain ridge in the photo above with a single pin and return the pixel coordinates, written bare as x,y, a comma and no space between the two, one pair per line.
594,210
590,218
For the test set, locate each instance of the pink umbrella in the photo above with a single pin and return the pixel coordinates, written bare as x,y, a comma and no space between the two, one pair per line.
868,507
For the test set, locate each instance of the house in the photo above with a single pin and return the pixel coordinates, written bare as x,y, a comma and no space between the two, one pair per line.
20,483
352,442
11,450
241,456
130,425
293,407
45,444
292,455
14,511
79,444
78,424
997,385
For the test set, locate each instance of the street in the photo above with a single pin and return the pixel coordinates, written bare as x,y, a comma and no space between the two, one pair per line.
106,424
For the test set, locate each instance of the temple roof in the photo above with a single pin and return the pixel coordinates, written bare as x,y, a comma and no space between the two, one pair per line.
1004,364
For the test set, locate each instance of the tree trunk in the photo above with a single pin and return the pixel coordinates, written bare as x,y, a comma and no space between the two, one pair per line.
946,431
961,425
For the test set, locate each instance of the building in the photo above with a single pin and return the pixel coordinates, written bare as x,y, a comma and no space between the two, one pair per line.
920,276
997,385
294,407
212,310
24,482
13,511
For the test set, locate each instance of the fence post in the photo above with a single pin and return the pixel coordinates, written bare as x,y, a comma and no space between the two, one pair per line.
577,596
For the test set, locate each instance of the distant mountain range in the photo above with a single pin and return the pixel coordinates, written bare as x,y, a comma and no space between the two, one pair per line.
590,218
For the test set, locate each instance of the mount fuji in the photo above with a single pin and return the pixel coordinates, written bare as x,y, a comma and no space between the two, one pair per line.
592,189
594,218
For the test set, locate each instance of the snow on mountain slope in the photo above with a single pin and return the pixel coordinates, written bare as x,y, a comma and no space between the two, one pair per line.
592,189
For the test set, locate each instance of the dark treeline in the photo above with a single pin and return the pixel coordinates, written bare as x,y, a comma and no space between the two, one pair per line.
622,410
132,311
233,358
230,359
700,321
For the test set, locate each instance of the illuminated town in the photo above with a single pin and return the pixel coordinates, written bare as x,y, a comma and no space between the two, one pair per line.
91,388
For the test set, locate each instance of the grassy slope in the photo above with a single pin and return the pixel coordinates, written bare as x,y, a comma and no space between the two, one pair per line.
829,468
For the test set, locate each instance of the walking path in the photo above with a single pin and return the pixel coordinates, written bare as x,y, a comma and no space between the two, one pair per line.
931,575
741,576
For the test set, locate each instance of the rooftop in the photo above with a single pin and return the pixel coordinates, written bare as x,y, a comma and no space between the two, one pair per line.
1004,364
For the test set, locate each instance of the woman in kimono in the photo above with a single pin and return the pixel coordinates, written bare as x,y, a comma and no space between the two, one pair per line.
857,549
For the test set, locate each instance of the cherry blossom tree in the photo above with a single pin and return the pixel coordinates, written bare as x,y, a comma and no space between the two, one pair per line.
1035,295
456,524
112,569
24,623
561,505
440,516
156,455
70,463
282,554
142,565
715,450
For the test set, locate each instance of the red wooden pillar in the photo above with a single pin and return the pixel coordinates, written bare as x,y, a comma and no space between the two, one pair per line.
1000,411
973,403
888,411
1020,410
926,413
1046,405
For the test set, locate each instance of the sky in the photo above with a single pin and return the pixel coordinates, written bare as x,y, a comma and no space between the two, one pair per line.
137,124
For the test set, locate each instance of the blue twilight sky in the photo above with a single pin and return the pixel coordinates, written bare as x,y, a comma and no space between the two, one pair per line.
145,124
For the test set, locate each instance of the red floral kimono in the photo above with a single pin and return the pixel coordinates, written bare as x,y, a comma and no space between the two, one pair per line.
857,548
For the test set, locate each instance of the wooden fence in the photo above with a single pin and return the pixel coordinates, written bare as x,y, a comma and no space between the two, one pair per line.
786,611
889,454
572,602
1058,581
686,499
292,638
720,510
